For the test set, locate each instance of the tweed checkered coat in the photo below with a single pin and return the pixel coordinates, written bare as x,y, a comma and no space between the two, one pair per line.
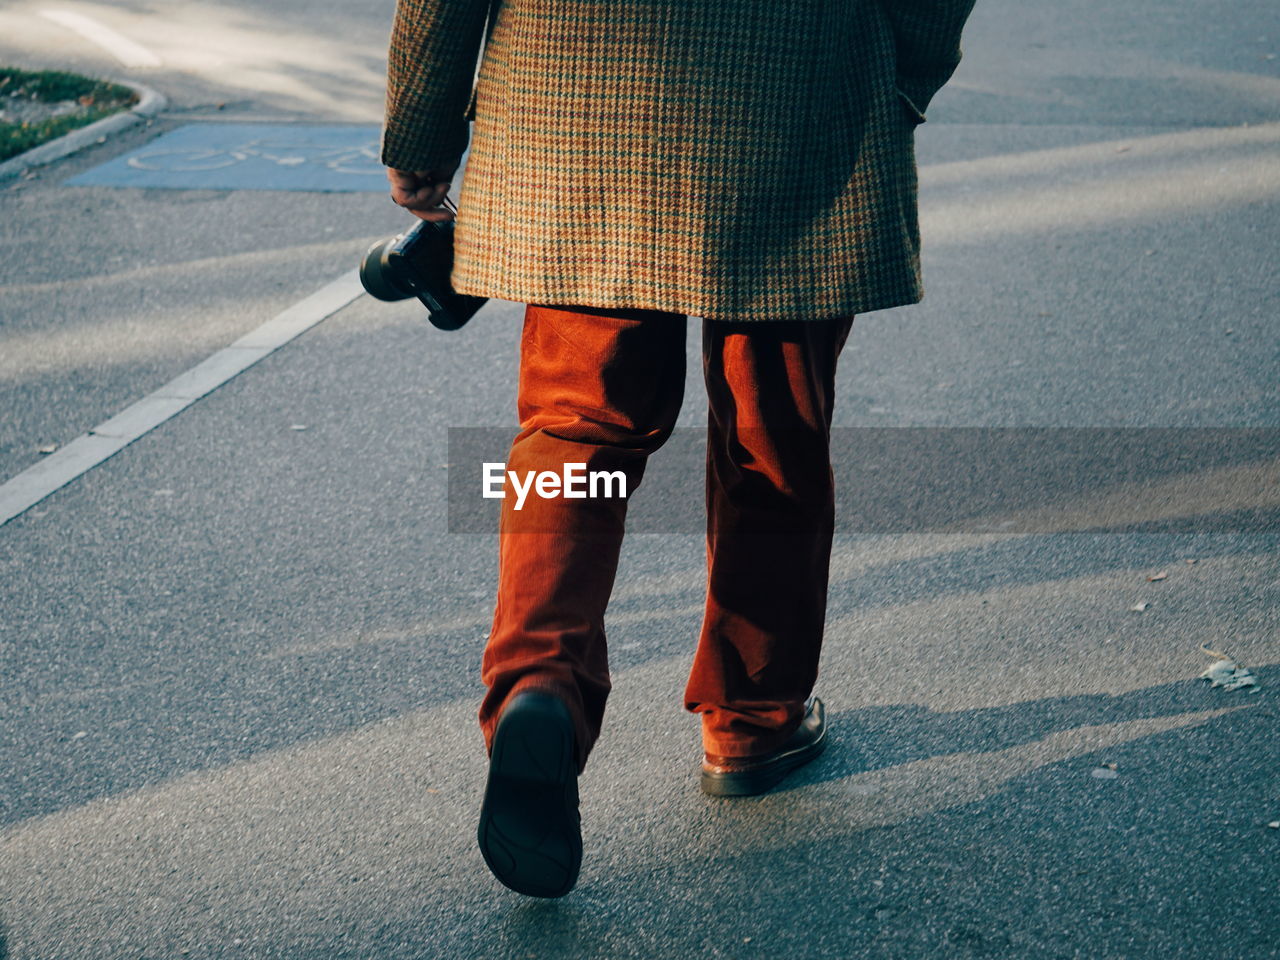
728,159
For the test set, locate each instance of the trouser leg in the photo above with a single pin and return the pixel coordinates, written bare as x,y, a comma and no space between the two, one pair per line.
770,517
600,387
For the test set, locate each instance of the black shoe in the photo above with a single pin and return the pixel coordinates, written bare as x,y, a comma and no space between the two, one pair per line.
530,833
746,776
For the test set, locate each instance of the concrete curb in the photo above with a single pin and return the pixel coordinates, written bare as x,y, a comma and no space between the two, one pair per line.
149,104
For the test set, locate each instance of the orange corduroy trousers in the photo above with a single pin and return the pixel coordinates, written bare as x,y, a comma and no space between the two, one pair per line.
603,387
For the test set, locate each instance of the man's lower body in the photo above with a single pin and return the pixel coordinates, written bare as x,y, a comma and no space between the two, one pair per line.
603,387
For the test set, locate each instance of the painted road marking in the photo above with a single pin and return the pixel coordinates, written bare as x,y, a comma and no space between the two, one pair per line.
128,52
250,156
111,436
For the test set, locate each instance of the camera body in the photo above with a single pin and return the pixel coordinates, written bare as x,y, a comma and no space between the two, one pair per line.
417,263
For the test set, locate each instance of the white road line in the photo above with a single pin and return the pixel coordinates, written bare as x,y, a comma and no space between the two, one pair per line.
128,52
111,436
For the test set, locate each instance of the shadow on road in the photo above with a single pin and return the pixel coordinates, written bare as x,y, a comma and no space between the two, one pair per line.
873,738
971,833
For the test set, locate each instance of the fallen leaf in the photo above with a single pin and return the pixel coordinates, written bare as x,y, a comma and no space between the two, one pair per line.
1156,577
1226,673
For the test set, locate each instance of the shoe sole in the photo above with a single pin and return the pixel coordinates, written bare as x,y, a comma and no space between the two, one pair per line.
530,834
748,783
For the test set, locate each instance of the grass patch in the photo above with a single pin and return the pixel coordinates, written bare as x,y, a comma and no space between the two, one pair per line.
39,105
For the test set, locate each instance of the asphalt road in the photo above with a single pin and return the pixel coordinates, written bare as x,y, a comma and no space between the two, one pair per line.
239,660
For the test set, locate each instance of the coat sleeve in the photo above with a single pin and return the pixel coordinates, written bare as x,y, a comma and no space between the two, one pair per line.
431,66
926,35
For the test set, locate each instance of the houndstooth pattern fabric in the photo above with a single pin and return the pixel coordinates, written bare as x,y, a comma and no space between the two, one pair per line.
728,159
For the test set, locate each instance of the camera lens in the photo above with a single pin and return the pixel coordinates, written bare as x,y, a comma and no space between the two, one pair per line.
379,274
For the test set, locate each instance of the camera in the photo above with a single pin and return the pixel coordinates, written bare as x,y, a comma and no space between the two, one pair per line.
417,263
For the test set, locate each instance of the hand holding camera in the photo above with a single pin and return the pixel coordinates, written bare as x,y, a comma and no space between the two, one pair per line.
422,192
418,262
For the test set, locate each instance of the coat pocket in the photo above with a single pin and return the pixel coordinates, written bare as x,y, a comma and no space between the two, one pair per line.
915,114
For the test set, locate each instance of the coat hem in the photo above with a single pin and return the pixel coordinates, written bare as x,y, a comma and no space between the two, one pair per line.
587,298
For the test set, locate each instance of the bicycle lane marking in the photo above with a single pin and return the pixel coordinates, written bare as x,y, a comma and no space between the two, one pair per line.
55,471
309,157
128,52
